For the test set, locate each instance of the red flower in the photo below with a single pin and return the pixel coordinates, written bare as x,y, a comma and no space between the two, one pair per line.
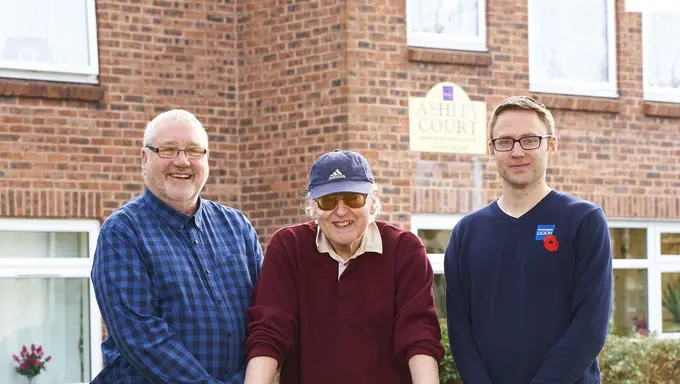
550,243
31,362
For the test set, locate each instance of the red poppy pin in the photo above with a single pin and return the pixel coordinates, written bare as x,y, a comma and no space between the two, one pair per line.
550,243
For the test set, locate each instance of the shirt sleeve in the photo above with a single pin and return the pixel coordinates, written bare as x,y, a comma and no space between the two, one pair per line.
591,306
416,328
463,348
254,250
129,305
272,320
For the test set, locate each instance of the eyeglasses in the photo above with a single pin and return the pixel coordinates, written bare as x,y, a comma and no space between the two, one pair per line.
505,144
193,153
352,200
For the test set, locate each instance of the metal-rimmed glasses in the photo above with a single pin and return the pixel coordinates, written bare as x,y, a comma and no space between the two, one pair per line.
528,143
192,153
352,200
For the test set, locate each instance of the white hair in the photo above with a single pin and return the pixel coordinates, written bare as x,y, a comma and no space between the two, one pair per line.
174,115
312,209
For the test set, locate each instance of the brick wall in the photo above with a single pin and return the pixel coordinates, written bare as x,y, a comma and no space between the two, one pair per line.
619,153
74,150
293,102
279,83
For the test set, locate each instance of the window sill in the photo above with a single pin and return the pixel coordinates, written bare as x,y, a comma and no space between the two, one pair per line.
661,109
481,59
579,103
49,90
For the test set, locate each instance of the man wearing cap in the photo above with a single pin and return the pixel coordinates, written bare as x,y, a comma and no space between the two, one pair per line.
344,298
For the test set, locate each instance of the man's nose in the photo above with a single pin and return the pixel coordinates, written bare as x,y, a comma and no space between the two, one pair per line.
342,208
182,158
517,150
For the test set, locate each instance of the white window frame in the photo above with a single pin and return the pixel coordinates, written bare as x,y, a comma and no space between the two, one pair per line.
664,264
655,264
60,268
17,69
650,92
437,222
441,41
606,89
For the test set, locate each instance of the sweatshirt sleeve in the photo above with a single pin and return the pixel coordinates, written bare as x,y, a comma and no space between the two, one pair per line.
463,348
591,305
272,321
417,328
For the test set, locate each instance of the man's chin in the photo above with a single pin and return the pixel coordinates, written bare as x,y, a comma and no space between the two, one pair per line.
181,195
517,182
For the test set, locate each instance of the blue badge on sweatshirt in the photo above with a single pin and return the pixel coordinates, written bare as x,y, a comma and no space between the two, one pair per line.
543,230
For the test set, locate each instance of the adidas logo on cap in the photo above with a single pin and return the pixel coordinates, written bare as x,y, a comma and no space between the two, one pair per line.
336,175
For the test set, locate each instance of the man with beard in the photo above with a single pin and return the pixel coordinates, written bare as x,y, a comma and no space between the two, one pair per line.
173,273
529,277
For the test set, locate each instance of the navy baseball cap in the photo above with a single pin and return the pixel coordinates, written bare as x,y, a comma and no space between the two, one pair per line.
340,171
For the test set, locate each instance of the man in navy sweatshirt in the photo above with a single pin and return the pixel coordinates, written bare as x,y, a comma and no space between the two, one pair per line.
529,277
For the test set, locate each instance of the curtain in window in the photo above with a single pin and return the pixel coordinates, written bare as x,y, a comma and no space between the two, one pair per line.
45,32
52,312
569,40
448,17
663,50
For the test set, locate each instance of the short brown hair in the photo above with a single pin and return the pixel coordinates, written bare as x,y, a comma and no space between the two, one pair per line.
525,103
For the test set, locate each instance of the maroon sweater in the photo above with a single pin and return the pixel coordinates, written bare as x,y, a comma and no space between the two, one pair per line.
360,329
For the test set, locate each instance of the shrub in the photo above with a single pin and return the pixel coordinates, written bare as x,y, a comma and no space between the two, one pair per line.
448,372
640,360
623,360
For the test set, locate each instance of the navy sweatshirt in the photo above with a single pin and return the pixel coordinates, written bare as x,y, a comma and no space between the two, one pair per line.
529,299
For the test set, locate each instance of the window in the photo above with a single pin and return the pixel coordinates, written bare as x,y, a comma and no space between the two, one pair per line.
45,40
646,262
630,253
447,24
47,297
572,47
667,241
661,57
435,231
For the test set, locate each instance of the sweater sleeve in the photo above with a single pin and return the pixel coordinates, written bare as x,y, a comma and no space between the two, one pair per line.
591,306
272,319
463,348
417,327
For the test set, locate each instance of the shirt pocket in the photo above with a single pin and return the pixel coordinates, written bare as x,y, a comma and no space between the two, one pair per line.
238,282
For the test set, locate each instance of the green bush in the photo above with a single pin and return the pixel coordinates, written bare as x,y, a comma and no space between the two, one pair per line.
448,372
624,360
640,360
671,301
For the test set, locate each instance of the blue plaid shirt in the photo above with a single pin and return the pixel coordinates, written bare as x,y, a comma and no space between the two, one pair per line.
173,290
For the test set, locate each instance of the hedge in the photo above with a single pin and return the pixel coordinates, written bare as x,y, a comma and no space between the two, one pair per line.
623,360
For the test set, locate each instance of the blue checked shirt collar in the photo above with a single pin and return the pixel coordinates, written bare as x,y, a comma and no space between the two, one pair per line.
176,219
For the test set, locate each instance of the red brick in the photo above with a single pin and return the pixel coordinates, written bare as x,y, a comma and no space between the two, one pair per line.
277,86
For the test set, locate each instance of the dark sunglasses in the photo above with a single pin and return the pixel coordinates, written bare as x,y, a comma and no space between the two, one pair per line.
352,200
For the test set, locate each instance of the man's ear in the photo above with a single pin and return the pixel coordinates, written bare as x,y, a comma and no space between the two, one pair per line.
490,151
370,200
145,159
552,146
